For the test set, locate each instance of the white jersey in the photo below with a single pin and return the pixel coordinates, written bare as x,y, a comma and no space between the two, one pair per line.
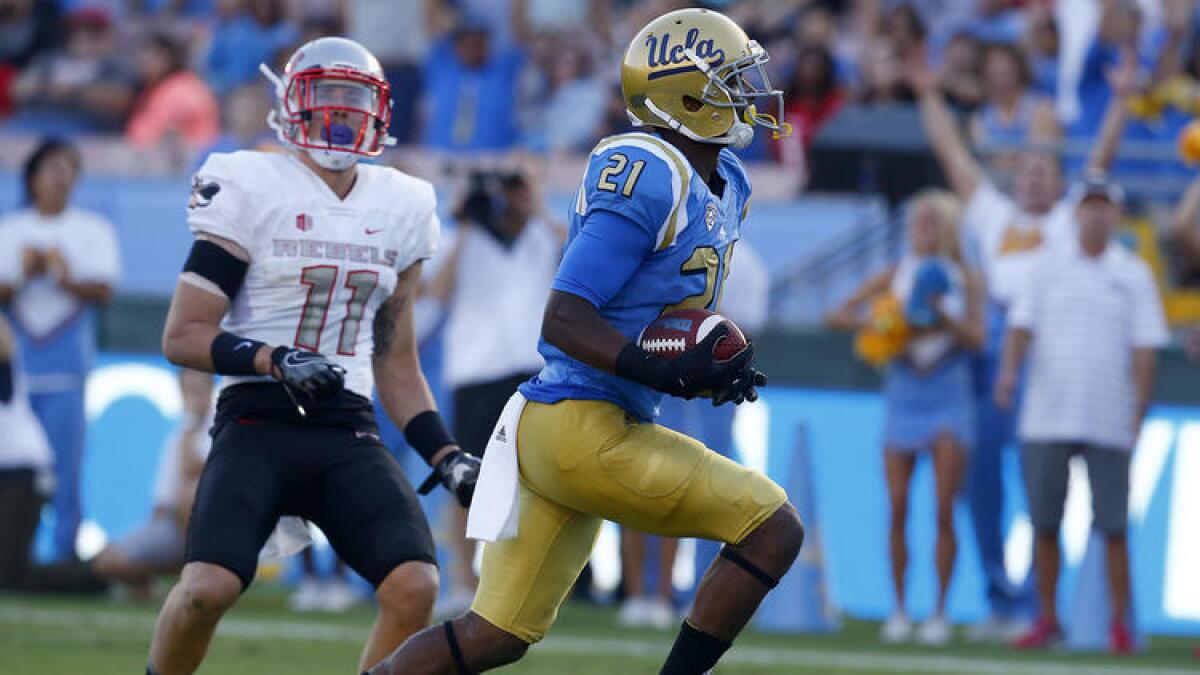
320,266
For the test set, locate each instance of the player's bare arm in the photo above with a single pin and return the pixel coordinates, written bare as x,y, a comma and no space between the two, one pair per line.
405,394
194,318
193,337
573,325
398,377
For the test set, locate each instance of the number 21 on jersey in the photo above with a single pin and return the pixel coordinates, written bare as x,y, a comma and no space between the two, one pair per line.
321,280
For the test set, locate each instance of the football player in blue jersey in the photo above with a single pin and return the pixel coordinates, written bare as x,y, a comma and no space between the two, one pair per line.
652,231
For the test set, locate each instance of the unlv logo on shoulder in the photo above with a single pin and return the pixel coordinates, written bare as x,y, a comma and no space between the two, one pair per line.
202,193
304,222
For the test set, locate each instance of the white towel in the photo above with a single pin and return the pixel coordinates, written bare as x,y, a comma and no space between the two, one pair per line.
291,536
495,507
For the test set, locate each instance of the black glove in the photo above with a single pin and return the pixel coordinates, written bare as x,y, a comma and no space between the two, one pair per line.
309,373
693,373
458,472
743,388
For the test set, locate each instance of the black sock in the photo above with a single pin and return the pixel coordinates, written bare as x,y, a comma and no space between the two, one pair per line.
694,652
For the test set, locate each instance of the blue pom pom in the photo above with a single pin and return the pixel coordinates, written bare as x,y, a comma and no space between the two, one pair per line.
931,281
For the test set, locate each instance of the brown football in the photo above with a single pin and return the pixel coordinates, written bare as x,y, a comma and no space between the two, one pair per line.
675,332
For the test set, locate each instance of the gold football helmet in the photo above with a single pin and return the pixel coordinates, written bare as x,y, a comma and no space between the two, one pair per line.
697,72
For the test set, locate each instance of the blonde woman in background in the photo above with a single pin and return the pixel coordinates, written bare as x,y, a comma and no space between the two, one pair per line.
927,385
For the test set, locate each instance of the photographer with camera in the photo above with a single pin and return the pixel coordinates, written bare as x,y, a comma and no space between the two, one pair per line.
493,285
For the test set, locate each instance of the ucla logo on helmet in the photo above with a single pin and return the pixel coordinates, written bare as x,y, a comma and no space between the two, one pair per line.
662,53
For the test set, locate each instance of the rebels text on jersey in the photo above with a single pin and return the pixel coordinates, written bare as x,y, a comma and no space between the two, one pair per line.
320,266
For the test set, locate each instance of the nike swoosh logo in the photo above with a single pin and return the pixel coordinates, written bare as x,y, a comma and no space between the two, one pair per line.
375,231
245,344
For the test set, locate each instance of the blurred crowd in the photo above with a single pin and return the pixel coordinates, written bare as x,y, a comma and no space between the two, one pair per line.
493,75
472,77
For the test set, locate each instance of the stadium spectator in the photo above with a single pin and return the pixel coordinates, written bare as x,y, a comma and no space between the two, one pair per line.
1119,33
470,90
640,609
959,73
904,28
566,114
1178,28
1042,50
494,285
156,547
927,389
26,482
1090,319
1185,236
1011,113
83,87
398,34
1008,232
812,98
244,122
248,33
28,28
998,20
882,83
173,103
57,263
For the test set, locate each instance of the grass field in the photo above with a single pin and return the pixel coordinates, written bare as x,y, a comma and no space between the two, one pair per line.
66,636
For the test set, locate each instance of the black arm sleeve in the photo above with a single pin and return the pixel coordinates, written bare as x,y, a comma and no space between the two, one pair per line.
219,266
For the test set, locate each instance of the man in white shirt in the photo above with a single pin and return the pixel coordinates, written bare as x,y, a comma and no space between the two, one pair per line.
57,263
1009,233
494,285
1090,319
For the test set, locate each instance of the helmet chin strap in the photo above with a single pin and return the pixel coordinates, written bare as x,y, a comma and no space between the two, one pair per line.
739,135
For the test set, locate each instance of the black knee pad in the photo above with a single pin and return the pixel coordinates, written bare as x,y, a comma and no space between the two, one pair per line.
733,556
455,652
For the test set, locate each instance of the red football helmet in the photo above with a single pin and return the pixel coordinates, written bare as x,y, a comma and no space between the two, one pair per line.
333,102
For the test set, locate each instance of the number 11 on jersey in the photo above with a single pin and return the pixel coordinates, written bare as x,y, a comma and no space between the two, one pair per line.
321,280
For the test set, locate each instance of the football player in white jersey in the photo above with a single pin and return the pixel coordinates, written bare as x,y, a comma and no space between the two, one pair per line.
299,289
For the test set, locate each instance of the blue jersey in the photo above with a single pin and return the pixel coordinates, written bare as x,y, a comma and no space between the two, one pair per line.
647,236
